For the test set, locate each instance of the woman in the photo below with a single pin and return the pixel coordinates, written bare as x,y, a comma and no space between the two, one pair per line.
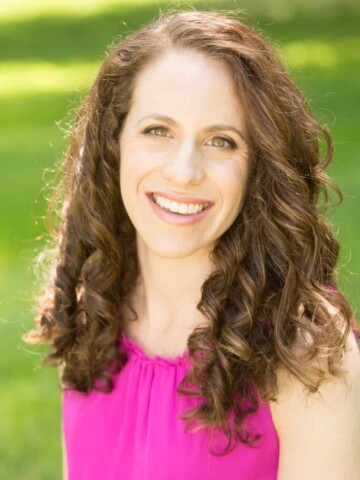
193,309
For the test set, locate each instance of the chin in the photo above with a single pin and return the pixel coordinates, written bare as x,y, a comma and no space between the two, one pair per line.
172,252
170,249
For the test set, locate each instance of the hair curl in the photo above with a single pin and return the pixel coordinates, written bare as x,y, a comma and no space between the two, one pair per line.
279,254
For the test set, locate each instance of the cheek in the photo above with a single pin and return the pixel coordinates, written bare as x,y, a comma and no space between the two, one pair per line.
233,182
134,171
123,173
127,177
131,166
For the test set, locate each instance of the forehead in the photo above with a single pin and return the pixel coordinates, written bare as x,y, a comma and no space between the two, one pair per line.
187,84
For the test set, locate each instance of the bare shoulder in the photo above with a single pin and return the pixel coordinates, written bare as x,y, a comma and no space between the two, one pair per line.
319,434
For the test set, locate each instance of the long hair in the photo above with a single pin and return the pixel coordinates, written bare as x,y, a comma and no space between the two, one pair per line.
275,265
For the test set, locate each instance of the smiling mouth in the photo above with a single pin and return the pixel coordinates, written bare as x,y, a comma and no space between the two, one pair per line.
178,208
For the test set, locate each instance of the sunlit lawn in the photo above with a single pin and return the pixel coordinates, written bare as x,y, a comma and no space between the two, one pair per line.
46,63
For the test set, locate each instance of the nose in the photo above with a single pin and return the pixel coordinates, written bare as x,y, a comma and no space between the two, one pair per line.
184,166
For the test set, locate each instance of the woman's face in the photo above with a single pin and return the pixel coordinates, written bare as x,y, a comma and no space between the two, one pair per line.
183,138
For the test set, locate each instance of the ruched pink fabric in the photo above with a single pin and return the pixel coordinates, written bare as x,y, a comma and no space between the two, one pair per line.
133,433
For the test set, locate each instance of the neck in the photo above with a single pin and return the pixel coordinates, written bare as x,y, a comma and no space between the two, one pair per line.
168,291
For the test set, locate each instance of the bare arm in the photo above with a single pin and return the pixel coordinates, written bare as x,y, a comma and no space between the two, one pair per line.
320,435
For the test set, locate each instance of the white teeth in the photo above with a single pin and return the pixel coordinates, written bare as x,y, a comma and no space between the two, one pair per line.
174,207
185,209
182,208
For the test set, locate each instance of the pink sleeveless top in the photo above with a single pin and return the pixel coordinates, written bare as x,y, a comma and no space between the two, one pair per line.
133,433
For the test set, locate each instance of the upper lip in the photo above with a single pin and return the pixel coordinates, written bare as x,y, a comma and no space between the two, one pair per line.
179,199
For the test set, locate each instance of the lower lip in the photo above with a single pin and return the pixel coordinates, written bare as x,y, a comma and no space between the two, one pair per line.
176,218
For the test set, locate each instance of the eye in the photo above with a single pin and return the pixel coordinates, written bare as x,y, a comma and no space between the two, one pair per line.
157,131
223,143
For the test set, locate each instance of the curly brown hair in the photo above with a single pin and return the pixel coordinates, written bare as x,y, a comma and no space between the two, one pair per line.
274,265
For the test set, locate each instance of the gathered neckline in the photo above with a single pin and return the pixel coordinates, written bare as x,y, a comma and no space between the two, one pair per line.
133,348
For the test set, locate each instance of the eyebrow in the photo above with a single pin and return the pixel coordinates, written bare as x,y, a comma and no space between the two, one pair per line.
210,128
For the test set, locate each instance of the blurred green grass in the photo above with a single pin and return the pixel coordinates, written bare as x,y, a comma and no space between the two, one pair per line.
320,43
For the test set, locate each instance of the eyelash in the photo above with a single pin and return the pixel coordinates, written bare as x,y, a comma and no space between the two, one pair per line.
232,144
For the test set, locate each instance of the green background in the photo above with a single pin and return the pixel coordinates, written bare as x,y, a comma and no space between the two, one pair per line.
49,56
